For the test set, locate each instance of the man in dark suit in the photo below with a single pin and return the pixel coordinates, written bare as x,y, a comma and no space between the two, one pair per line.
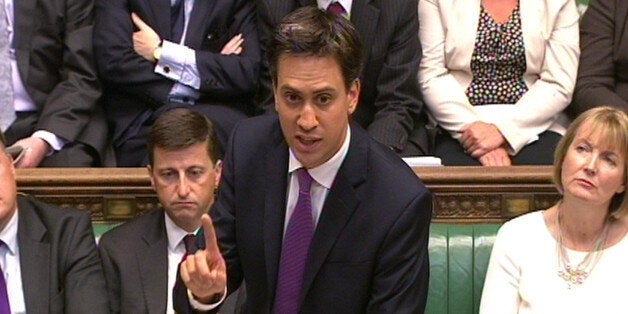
360,244
48,256
391,107
602,76
55,88
152,59
141,257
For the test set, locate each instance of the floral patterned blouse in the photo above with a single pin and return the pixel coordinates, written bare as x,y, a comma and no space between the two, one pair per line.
498,62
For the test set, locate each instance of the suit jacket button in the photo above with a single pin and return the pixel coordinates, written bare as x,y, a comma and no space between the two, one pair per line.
167,69
211,36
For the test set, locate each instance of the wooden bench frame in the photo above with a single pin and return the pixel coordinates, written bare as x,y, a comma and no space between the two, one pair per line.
461,194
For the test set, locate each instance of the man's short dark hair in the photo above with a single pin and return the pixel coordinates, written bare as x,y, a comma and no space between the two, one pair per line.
310,31
181,128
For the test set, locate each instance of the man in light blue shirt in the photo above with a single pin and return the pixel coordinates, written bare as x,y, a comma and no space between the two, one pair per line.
155,56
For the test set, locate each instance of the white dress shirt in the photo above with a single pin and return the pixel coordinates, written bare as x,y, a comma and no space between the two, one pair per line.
176,250
22,101
10,263
323,176
346,4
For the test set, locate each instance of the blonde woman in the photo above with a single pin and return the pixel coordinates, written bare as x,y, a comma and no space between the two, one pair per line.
570,258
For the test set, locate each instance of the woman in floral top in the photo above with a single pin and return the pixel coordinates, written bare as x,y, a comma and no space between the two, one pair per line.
496,76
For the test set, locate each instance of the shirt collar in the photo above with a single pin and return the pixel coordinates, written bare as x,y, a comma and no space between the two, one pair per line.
346,4
175,233
325,173
9,234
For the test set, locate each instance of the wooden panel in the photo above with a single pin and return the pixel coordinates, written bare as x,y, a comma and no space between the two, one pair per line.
461,194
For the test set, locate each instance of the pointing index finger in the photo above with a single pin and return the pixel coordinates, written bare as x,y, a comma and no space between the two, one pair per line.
211,244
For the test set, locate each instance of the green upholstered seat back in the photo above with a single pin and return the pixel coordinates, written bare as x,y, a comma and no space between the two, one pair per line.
459,257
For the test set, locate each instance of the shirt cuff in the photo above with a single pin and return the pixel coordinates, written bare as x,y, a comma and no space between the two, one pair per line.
178,63
205,307
54,141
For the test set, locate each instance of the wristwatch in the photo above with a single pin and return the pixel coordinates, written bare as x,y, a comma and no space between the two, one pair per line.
157,52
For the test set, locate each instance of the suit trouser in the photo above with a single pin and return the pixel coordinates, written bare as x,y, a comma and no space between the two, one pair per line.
74,154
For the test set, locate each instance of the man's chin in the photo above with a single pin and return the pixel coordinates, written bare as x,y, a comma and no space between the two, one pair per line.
184,210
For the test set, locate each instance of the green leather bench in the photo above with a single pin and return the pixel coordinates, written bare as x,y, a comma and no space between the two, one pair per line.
459,255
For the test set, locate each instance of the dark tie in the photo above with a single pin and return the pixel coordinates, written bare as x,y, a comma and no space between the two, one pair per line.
190,245
4,296
294,252
177,20
7,109
179,291
336,9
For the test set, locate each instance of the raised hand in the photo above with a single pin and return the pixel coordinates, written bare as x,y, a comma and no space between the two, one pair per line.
145,40
234,46
205,272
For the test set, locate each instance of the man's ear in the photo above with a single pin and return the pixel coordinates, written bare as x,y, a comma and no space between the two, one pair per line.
353,94
152,177
275,93
218,171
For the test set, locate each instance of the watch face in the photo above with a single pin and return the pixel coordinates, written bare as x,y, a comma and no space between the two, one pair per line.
157,52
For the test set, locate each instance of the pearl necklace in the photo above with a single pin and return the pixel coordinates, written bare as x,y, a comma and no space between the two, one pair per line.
575,275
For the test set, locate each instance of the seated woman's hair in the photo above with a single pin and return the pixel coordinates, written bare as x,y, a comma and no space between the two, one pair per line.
611,127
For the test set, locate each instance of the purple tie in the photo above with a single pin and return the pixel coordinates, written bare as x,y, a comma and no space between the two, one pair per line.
336,9
296,244
4,297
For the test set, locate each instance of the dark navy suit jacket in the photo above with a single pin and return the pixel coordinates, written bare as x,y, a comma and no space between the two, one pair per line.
133,89
369,251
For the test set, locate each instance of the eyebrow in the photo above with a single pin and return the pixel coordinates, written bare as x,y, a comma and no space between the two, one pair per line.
327,89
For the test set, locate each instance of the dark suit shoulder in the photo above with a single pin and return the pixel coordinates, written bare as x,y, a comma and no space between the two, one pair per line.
132,230
260,128
387,166
50,215
254,135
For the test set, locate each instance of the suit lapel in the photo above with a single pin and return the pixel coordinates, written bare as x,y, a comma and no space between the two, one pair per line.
160,18
23,35
277,9
341,202
463,32
34,258
365,16
152,259
533,27
201,15
303,3
274,208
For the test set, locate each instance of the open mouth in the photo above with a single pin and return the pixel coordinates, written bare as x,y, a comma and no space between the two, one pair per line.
307,142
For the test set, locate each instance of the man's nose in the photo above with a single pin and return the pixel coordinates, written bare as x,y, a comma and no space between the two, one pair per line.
307,119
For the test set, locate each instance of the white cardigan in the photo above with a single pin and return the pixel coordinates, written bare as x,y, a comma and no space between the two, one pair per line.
550,35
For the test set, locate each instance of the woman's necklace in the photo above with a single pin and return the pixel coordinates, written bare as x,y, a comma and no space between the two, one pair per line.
575,275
